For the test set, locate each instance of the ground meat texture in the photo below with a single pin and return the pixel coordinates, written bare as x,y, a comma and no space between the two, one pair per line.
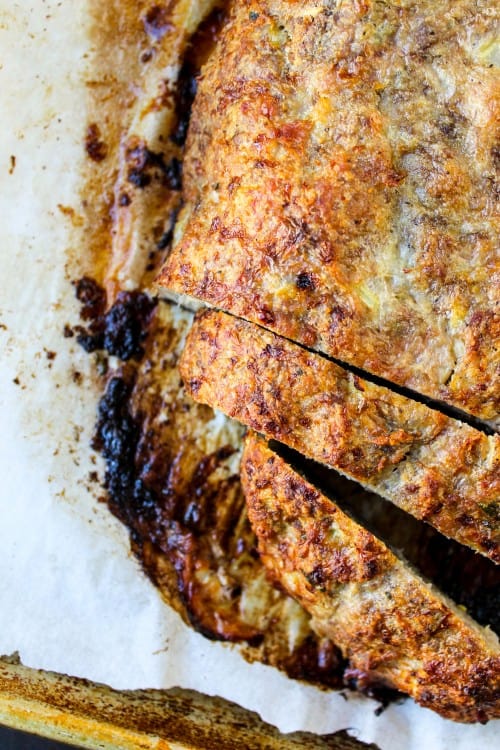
354,142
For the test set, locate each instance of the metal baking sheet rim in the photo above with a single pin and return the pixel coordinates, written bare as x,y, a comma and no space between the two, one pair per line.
89,715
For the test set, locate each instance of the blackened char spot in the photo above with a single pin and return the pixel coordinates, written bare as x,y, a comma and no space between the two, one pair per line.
90,341
125,325
305,281
173,174
122,329
94,145
184,97
145,165
138,178
366,683
116,438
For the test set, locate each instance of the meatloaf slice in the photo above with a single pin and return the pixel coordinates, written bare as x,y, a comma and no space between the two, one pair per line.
432,466
341,187
388,621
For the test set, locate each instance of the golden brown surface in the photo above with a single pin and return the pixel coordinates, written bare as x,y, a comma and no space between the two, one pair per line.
388,621
188,523
434,467
340,187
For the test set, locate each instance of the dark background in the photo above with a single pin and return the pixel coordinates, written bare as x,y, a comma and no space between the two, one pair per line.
10,739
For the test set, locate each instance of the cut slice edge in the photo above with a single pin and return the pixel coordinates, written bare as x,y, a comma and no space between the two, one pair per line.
432,466
389,622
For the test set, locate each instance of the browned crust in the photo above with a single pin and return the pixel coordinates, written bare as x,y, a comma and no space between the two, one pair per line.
174,479
387,621
174,482
341,185
434,467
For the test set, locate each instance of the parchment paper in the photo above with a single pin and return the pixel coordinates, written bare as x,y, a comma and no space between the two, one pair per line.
72,598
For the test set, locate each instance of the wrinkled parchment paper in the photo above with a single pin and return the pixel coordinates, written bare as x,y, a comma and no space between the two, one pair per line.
72,598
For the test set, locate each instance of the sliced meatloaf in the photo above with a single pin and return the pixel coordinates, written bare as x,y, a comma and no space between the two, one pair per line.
390,623
341,187
432,466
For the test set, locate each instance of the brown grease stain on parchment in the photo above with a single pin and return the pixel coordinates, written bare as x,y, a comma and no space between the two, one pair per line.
125,39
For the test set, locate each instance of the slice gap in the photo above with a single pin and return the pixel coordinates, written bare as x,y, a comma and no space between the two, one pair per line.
440,406
391,623
471,580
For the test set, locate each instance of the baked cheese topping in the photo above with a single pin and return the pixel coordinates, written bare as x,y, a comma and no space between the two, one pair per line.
341,187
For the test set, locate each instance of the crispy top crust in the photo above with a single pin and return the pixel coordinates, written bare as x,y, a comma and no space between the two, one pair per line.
386,619
340,186
434,467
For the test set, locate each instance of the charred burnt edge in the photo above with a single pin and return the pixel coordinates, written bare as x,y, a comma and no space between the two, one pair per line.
166,239
137,505
187,82
130,499
116,438
365,683
185,93
125,324
456,570
122,329
304,665
144,162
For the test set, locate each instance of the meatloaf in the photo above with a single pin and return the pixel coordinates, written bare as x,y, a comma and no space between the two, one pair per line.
433,466
388,621
340,182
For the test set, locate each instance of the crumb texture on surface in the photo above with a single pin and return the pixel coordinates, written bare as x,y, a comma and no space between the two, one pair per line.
386,619
432,466
340,187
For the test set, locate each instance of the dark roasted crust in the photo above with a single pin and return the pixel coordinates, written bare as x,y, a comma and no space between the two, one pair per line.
434,467
340,179
171,473
389,623
173,479
181,503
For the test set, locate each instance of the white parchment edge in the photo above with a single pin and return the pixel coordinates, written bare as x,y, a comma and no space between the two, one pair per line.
72,598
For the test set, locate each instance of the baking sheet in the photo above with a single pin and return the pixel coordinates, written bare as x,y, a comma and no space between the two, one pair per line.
72,598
